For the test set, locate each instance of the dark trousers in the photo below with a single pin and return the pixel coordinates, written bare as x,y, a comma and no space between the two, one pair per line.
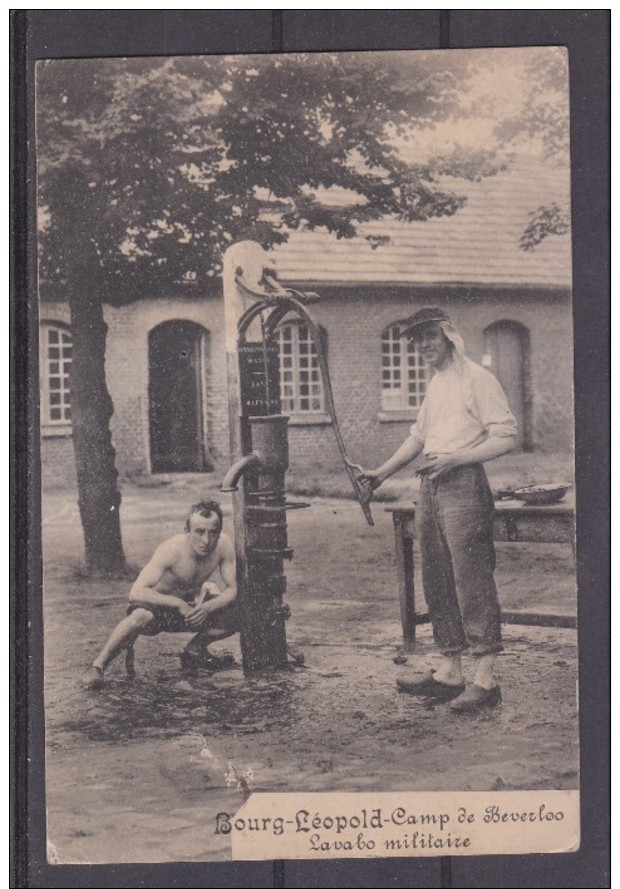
454,518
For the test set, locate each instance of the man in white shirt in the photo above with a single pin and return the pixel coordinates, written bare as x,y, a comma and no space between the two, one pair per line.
463,422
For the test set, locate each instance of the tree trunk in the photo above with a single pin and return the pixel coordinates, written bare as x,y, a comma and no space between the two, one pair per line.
91,410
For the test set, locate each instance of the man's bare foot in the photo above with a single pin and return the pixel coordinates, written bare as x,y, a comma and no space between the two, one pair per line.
449,671
92,678
448,677
475,698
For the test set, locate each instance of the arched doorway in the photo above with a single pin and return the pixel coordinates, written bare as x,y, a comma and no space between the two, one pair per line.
177,402
507,355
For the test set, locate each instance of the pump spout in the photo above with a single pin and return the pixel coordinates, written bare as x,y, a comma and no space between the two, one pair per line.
231,479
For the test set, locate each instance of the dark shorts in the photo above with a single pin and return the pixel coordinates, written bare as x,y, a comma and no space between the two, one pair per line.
168,620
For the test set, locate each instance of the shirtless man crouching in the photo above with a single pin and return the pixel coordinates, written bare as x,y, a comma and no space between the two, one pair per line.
172,594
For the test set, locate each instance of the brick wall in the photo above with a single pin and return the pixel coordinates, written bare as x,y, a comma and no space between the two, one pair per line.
57,462
127,371
354,320
355,323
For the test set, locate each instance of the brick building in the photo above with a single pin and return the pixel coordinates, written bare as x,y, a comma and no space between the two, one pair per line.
165,360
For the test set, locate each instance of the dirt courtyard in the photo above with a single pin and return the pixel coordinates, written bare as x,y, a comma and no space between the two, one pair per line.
138,771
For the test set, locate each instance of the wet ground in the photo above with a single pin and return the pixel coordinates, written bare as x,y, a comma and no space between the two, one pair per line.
138,771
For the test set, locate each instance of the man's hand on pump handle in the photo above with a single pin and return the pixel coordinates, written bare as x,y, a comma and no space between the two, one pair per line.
369,481
433,467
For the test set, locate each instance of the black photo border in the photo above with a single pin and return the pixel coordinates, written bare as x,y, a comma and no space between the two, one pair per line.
38,34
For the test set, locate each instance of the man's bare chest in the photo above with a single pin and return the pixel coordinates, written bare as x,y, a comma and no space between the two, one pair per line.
189,573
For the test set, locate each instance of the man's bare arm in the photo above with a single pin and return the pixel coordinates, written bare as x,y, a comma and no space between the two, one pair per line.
494,446
143,590
228,573
407,452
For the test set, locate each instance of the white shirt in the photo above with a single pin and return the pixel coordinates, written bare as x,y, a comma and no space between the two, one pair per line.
464,406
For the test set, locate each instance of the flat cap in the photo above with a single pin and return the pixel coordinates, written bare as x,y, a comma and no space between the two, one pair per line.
427,315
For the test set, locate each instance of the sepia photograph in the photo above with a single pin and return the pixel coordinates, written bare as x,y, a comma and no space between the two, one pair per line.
307,455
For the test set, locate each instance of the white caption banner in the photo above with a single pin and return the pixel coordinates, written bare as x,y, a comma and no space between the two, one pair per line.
378,825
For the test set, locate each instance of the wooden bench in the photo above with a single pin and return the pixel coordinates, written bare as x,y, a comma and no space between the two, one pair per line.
513,522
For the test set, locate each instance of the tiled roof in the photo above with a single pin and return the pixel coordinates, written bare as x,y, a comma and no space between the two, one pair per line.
478,245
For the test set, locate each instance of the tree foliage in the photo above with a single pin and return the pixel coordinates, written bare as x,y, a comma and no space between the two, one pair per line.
551,219
169,161
543,117
544,112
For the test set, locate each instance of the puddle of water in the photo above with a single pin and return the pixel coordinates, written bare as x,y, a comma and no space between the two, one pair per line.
130,709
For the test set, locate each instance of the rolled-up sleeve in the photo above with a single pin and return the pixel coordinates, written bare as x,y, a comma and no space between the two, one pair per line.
492,406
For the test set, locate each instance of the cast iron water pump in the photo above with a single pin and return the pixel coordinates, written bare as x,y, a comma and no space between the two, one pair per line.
255,301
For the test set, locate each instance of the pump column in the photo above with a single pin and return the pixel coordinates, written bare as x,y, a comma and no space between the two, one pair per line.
259,453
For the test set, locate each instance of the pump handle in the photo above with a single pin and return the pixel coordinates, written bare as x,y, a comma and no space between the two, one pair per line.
362,494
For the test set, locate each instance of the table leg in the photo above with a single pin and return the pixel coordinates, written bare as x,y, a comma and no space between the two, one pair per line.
130,661
406,592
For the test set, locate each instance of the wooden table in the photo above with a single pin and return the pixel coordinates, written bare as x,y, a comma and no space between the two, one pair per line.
513,522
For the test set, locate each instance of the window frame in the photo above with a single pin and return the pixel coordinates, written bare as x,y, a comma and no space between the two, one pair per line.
395,401
51,426
298,414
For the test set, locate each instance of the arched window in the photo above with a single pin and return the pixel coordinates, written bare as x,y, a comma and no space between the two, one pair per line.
55,372
301,387
403,372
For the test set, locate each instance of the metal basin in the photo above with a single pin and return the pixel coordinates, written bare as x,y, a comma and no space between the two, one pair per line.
541,495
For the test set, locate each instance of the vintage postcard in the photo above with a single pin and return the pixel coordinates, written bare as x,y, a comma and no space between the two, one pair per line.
307,456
